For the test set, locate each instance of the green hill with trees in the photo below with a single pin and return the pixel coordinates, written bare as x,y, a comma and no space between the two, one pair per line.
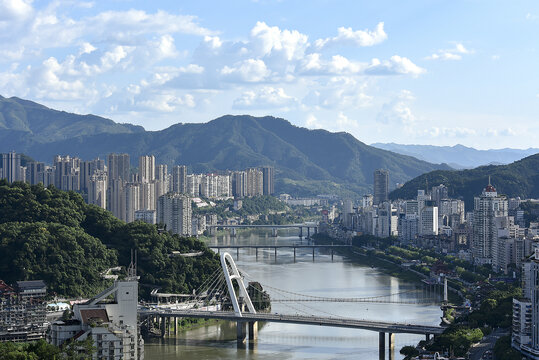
520,178
307,162
53,235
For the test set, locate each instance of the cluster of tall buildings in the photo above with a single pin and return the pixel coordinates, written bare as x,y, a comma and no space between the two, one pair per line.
492,233
148,193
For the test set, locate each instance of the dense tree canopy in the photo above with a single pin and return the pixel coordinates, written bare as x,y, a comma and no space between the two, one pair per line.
53,235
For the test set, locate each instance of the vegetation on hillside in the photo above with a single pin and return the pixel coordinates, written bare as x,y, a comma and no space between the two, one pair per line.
53,235
520,178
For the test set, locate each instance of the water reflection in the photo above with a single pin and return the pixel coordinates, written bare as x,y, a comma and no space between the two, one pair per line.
340,278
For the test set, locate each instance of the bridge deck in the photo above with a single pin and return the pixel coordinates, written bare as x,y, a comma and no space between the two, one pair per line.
265,226
274,246
378,326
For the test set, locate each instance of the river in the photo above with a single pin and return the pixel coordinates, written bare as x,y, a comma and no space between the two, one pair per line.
339,278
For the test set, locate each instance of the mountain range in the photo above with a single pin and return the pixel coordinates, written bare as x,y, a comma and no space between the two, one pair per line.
459,156
520,178
307,162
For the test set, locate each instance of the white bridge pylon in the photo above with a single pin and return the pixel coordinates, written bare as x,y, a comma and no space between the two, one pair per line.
226,260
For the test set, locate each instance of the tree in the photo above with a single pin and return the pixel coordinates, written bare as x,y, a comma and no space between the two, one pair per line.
409,352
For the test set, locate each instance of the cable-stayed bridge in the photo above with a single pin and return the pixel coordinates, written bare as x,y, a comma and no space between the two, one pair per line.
224,296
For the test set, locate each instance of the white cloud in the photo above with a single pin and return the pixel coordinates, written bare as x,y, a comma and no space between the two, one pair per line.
264,98
14,10
267,40
250,70
338,92
396,65
450,54
166,102
398,110
347,36
312,122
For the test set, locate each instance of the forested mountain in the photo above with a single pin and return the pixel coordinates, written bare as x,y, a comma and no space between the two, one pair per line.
520,178
307,162
459,156
53,235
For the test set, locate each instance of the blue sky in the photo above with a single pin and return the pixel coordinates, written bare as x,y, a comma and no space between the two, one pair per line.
424,72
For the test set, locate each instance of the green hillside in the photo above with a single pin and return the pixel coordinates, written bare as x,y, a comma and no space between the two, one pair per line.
520,178
53,235
307,162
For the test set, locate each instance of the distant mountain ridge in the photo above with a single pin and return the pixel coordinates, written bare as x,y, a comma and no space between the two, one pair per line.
520,178
459,156
307,162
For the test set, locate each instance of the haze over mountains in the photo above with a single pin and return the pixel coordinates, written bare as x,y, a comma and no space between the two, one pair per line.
307,162
459,156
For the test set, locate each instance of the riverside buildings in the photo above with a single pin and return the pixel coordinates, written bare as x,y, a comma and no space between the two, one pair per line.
493,233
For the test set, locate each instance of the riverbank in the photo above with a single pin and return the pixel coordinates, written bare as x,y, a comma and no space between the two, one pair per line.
370,258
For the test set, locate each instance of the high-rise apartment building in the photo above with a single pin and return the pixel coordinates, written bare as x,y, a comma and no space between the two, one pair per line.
268,173
87,169
174,211
525,330
11,167
116,199
132,200
67,173
118,167
255,182
381,186
97,189
487,208
35,173
179,179
146,168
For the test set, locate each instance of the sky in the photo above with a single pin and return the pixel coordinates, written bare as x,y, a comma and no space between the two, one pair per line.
411,72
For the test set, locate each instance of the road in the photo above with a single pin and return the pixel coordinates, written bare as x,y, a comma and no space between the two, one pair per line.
379,326
487,343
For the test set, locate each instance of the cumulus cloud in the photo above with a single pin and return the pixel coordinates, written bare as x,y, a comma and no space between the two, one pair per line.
250,70
450,54
398,110
347,36
396,65
267,40
264,98
339,92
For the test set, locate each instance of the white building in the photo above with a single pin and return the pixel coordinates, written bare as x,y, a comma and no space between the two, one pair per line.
487,207
97,189
112,325
428,220
174,211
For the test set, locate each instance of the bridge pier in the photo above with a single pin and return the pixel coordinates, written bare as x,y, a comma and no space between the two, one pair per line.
253,331
382,346
175,325
316,230
237,253
256,252
294,254
233,232
308,232
163,324
274,232
301,232
276,254
241,333
391,345
313,253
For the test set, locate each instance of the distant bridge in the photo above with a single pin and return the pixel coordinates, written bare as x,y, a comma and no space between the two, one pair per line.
275,247
274,228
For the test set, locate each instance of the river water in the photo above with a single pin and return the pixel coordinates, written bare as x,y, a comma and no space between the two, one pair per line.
339,278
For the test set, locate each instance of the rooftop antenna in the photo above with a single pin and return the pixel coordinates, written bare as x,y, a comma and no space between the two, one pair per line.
132,269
